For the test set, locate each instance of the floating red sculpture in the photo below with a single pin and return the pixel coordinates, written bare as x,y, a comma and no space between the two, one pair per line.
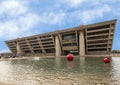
70,57
106,60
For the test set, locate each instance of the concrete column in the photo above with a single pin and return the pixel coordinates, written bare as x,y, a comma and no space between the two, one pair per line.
19,51
57,46
81,43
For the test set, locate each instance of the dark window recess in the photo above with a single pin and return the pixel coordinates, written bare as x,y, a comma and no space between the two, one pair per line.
46,40
103,49
111,40
21,41
36,47
100,32
50,50
34,44
14,51
31,38
45,36
113,24
37,51
24,48
98,37
33,41
47,43
23,45
99,41
112,30
67,37
99,27
49,46
13,47
27,51
98,45
70,44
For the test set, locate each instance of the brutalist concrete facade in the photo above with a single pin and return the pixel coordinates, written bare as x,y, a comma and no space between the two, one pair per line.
93,39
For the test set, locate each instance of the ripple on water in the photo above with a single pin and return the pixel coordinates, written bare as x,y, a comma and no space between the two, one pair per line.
91,71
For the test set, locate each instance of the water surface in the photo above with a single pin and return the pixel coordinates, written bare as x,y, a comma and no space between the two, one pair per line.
59,71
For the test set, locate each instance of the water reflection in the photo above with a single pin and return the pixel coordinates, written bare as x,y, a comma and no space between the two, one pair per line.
59,71
70,64
58,61
82,63
115,71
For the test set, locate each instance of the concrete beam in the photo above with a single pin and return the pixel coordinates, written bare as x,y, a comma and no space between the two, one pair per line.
41,45
29,46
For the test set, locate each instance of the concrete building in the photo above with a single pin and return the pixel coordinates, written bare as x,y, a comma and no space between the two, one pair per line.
8,54
93,39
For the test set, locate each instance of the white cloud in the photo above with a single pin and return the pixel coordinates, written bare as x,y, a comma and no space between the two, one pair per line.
94,13
73,3
53,18
85,11
17,20
12,8
28,21
88,15
20,26
20,20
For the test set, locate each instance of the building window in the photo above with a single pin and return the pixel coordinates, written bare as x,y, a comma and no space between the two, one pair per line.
70,44
50,50
67,37
99,27
37,51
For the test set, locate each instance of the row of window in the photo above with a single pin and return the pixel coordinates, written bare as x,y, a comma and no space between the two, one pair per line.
69,44
46,40
99,41
98,37
99,32
40,51
99,27
103,49
67,37
98,45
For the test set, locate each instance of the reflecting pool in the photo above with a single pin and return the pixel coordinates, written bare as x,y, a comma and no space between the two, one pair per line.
59,71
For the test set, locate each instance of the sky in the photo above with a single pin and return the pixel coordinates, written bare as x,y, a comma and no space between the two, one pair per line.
20,18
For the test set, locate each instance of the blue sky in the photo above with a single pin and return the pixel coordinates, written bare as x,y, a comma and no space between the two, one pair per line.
19,18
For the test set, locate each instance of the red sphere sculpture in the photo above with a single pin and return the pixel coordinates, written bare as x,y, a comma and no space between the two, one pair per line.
70,57
106,60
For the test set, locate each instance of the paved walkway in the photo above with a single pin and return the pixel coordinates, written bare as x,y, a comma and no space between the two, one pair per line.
5,84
